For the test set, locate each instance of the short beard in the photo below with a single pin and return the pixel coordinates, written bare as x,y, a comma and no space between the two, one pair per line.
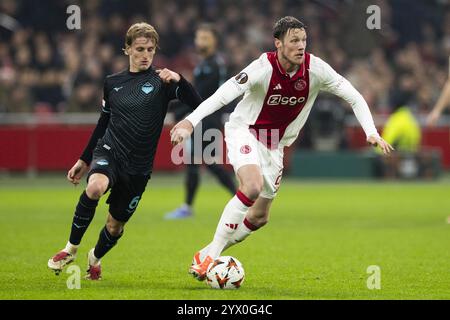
288,60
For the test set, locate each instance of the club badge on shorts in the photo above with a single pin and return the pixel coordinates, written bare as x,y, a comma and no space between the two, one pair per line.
246,149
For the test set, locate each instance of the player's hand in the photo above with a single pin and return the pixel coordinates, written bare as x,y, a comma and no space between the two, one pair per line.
432,118
378,141
77,171
181,131
167,75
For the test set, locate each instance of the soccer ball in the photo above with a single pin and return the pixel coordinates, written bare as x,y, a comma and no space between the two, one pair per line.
225,272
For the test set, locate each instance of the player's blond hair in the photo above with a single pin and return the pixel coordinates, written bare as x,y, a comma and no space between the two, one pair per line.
140,29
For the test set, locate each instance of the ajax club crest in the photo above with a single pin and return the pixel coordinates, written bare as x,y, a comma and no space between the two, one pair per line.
300,85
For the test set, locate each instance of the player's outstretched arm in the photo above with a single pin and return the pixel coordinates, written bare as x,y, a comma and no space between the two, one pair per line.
223,96
227,92
443,101
234,87
336,84
77,172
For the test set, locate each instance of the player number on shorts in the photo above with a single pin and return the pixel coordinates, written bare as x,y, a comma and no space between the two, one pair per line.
278,180
133,204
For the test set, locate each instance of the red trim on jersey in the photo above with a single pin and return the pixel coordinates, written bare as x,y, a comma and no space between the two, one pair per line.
284,100
244,199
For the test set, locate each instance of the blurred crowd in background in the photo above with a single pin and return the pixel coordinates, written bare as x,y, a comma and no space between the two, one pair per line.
44,67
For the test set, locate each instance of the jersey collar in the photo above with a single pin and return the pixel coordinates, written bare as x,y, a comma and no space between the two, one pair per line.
300,72
149,70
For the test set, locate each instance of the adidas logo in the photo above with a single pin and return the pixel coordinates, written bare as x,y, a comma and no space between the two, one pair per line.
232,225
277,87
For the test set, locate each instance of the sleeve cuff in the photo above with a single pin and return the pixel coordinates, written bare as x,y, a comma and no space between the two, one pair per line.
193,120
86,159
373,134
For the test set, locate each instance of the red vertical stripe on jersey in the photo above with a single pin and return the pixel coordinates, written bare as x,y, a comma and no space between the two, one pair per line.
285,99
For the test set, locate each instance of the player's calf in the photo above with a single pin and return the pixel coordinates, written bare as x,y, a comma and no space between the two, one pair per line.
256,218
84,213
255,223
114,228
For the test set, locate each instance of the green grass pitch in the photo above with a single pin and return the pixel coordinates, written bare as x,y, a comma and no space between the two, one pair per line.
320,240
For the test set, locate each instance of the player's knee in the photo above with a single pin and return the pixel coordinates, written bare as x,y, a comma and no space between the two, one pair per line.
252,189
115,229
96,189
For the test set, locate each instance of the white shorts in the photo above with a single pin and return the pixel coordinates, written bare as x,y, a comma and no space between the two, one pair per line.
243,149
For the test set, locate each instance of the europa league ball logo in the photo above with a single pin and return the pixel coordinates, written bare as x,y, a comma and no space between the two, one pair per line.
241,78
300,85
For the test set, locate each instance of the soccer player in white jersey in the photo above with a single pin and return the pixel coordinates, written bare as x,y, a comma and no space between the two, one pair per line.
279,90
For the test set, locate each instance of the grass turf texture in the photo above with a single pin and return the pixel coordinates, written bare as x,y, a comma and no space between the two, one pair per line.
321,238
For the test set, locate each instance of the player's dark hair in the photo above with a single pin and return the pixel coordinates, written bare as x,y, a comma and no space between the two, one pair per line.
282,26
210,28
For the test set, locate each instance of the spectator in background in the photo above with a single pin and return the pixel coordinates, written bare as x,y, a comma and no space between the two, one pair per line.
84,97
403,132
